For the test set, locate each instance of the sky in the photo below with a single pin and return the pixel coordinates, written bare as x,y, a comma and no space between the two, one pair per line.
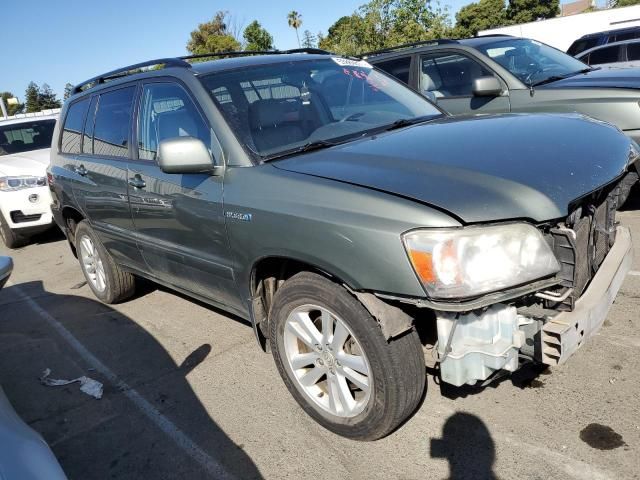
62,41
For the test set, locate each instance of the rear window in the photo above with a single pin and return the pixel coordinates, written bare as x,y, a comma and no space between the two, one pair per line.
604,55
633,51
24,137
72,129
113,123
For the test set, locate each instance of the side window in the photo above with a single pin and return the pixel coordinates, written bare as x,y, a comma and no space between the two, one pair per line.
113,122
89,124
450,75
167,111
398,67
72,129
604,55
633,51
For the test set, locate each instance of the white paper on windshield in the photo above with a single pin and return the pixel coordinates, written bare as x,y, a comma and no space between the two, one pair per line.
347,62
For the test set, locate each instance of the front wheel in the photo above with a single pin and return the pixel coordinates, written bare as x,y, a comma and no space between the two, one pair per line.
10,238
336,363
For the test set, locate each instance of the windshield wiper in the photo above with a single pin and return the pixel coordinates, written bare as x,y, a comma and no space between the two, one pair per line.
555,78
307,147
405,122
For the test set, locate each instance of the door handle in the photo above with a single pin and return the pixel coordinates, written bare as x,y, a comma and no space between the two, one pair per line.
81,171
137,182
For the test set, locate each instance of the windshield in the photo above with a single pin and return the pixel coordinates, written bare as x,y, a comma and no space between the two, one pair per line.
531,61
278,108
26,136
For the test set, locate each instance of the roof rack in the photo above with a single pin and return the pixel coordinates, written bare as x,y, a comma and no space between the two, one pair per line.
182,62
121,72
441,41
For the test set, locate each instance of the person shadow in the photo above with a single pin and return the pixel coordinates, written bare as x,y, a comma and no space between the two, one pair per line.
150,423
468,447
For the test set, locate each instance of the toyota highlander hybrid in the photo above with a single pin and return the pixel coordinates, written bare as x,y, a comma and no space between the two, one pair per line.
345,215
24,196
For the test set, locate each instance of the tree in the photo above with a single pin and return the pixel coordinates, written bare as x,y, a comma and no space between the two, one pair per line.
32,98
308,39
523,11
626,3
295,21
47,98
213,36
257,38
14,108
68,90
482,15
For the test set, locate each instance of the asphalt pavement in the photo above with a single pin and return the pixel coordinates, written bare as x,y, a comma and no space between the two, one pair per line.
188,394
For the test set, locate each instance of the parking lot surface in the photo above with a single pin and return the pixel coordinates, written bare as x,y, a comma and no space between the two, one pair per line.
188,394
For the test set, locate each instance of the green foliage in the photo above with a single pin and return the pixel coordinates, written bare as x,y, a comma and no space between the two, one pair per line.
213,36
384,23
11,109
482,15
294,19
257,38
32,98
308,39
47,98
626,3
68,90
523,11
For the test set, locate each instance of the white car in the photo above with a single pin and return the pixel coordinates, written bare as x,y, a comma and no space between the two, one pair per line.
25,200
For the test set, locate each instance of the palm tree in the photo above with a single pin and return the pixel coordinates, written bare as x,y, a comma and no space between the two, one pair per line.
295,21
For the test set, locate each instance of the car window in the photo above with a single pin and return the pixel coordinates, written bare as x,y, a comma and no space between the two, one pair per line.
278,107
450,75
580,46
26,136
113,122
72,129
167,111
620,37
398,67
604,55
89,124
633,51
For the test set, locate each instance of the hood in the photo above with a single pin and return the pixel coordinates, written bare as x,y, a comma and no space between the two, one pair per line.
34,163
483,168
601,78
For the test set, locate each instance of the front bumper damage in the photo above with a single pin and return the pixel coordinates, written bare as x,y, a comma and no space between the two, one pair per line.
474,345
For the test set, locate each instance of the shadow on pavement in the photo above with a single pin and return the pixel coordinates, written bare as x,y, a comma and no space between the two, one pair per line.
468,447
111,437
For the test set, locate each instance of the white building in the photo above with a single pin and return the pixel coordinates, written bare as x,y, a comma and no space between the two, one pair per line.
561,32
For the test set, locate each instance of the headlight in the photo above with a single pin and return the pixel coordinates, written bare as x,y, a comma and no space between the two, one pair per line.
467,262
18,183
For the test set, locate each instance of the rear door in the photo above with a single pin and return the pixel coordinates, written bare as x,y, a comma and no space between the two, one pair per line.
447,77
102,192
179,217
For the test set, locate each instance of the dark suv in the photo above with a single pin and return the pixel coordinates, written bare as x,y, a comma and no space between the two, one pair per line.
348,219
592,40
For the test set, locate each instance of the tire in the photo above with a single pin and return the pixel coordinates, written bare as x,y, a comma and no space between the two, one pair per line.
109,283
10,238
395,368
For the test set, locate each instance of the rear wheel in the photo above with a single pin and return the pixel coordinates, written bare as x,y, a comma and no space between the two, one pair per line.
10,238
106,279
336,363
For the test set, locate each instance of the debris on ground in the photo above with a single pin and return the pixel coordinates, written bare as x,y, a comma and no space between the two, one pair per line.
87,385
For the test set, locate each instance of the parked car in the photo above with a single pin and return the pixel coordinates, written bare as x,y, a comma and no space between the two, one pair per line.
24,454
619,55
597,39
342,213
509,74
24,196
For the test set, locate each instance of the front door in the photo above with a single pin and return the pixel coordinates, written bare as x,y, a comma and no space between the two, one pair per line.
447,77
179,217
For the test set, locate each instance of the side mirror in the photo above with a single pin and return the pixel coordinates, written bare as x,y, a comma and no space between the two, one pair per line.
487,87
185,155
6,267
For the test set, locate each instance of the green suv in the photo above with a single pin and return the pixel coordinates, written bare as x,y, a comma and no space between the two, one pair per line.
348,219
499,73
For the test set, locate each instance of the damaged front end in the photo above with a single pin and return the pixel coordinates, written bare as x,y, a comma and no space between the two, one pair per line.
545,321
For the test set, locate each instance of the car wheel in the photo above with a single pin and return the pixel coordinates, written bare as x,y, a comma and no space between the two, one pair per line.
106,279
10,238
336,363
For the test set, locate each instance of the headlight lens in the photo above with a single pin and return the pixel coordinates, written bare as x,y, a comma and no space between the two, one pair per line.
467,262
18,183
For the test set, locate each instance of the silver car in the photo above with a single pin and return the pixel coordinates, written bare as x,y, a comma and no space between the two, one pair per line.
613,55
